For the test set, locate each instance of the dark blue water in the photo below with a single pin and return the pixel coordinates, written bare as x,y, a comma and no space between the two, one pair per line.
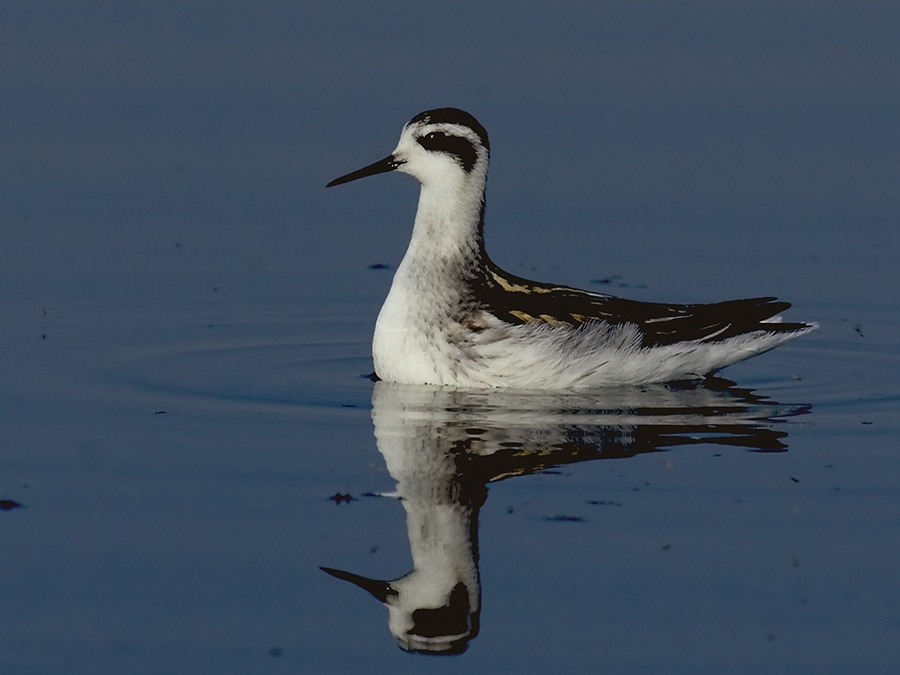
186,432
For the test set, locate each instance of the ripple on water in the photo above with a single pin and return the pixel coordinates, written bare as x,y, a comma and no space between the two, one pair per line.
848,379
270,359
288,358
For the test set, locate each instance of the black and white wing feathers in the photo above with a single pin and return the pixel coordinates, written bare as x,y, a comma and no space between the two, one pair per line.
517,301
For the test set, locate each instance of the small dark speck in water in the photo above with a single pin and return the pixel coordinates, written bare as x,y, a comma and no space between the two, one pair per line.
858,329
215,289
379,266
159,412
348,405
373,550
771,637
177,244
337,498
44,336
600,502
9,505
796,480
510,510
601,281
867,423
276,651
795,562
564,519
667,547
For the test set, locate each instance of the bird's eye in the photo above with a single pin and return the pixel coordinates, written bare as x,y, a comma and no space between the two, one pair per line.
459,148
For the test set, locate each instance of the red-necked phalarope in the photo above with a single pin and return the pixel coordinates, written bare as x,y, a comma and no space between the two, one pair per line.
453,317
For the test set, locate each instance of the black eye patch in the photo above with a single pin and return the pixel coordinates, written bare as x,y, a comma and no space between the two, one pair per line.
451,619
460,148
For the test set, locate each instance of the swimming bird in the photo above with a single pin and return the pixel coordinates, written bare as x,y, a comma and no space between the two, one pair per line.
453,317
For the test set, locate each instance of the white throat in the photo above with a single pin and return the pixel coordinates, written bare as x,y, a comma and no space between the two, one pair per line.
430,290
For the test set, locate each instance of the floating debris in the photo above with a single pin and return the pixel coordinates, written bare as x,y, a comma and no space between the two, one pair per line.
564,519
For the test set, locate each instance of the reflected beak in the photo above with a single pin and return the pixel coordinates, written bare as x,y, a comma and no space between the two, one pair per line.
389,163
381,590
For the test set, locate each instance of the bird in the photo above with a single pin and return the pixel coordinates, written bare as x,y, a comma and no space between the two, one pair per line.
453,317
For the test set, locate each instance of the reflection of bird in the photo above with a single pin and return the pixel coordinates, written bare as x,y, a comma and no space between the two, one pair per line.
435,608
453,317
426,617
444,446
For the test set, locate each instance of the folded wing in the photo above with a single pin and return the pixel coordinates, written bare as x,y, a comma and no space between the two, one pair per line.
516,300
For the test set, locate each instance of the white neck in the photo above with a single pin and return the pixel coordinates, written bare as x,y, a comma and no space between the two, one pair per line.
447,235
431,293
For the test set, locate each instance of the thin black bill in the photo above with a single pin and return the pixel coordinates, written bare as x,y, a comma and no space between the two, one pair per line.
389,163
381,590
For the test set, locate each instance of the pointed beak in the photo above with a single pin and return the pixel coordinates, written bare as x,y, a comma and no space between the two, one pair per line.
389,163
381,590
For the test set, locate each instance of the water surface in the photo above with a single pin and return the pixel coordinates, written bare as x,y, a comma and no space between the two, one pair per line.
186,430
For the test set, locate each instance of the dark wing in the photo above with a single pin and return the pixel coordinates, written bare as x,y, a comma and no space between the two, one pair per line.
516,300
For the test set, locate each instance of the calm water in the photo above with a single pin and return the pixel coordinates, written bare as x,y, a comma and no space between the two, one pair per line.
186,432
